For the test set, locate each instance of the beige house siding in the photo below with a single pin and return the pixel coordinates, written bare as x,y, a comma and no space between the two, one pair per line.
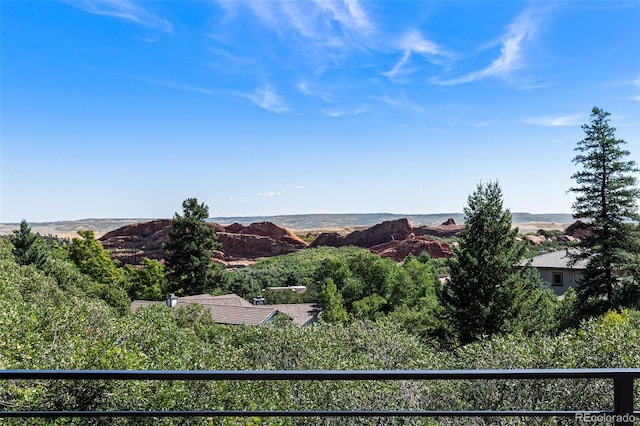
570,278
557,269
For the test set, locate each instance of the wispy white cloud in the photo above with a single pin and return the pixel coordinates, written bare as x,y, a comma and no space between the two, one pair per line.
343,112
168,84
414,43
183,86
636,83
521,30
299,187
398,103
550,121
348,13
305,88
124,10
325,22
266,97
269,194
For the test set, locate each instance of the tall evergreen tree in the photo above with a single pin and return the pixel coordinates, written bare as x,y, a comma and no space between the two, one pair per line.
28,247
188,254
606,198
486,285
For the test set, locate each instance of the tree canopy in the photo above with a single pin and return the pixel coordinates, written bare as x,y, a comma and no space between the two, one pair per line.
28,248
188,254
486,285
606,198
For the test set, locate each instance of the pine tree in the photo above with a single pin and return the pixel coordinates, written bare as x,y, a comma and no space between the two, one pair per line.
188,254
606,199
28,248
485,282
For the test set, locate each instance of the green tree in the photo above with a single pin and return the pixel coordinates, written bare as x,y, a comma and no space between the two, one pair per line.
93,260
332,303
28,248
606,198
188,254
148,282
483,289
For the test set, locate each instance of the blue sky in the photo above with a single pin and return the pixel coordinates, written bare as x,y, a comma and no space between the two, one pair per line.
123,109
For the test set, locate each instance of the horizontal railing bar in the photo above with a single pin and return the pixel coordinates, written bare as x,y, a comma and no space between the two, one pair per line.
625,376
299,413
529,374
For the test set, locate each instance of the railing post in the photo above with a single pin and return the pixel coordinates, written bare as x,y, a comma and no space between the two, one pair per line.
623,399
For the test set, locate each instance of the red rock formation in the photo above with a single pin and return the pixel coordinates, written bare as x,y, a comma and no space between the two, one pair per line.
394,239
142,229
131,243
268,229
535,239
398,250
247,246
447,230
234,228
568,239
329,239
579,230
399,229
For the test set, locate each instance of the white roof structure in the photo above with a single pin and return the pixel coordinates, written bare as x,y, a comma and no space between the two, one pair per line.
560,259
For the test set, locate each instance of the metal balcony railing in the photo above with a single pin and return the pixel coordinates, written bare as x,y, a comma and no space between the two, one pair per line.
622,413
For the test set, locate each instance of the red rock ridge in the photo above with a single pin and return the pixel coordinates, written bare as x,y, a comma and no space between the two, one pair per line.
130,244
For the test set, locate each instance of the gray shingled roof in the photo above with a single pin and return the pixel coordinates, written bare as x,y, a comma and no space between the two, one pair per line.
237,315
302,314
556,260
137,304
231,300
233,309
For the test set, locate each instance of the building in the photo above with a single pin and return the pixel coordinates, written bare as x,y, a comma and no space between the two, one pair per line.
232,309
557,270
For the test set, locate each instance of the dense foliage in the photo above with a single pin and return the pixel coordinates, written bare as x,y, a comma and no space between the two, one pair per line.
351,283
48,323
607,198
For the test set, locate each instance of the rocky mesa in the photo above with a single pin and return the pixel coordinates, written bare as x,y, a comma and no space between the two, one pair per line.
242,245
132,243
395,239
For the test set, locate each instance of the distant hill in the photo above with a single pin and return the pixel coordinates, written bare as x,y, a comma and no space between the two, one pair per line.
319,221
295,222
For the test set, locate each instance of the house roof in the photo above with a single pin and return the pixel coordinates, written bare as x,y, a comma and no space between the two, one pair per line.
302,314
560,259
237,315
225,299
137,304
233,309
